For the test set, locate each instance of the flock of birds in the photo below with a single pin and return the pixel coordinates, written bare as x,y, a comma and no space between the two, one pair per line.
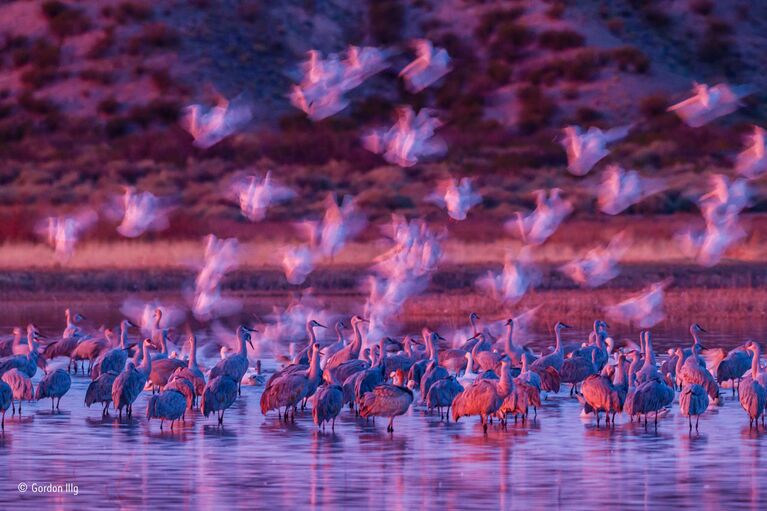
485,376
474,375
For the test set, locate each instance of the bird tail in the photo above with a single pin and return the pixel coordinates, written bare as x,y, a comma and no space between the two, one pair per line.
151,407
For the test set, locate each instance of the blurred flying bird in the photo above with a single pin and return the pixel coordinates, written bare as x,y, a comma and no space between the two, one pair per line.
517,277
255,195
539,225
709,103
586,149
599,265
623,188
210,126
63,232
456,197
142,212
430,65
644,309
298,262
752,162
411,139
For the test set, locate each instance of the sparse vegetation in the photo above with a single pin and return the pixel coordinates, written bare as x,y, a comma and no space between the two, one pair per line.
64,19
560,39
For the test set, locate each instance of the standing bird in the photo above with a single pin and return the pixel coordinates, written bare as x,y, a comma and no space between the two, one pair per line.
289,390
54,385
235,366
6,400
26,363
650,396
192,371
100,391
167,405
693,401
728,366
554,359
21,387
480,398
350,352
753,394
219,394
131,381
162,369
441,395
90,350
387,400
113,359
434,371
179,383
327,404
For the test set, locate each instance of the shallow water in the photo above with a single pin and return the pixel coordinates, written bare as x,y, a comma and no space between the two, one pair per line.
559,460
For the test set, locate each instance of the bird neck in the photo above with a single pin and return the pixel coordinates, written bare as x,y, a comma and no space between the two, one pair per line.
146,364
123,337
473,322
314,366
755,368
469,365
243,347
505,385
357,336
310,333
619,378
558,334
193,353
339,334
509,339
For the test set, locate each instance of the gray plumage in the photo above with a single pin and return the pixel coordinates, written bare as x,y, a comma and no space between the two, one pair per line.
692,373
26,363
693,401
442,393
6,399
178,382
753,398
219,394
598,394
89,350
168,405
650,396
387,400
326,405
480,398
433,374
235,366
347,353
289,390
162,370
576,369
54,385
342,371
100,390
131,381
21,387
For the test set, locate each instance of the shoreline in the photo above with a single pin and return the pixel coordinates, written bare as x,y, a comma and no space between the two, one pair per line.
347,279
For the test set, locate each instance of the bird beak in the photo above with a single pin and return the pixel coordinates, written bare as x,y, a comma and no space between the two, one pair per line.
251,344
441,338
565,326
131,323
702,329
365,320
321,325
249,329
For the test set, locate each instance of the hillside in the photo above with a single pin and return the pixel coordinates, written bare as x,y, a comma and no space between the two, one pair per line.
90,94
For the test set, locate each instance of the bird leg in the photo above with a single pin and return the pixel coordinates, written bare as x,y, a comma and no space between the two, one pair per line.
58,402
689,417
333,425
52,400
597,412
390,429
697,419
13,404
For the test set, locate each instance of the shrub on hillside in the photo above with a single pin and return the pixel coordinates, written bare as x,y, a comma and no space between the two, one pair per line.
535,109
560,39
154,35
41,54
510,39
556,11
490,20
630,58
63,19
653,105
702,7
386,19
128,11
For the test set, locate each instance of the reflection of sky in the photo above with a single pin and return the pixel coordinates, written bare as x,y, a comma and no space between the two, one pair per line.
559,461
